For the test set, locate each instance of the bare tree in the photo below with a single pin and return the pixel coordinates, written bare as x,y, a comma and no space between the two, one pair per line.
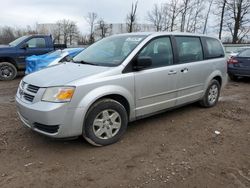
185,7
103,28
156,17
73,32
238,11
6,35
91,19
207,16
131,18
220,13
56,32
82,39
66,30
172,10
195,16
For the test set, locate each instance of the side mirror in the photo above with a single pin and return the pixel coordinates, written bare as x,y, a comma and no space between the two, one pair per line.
143,62
24,46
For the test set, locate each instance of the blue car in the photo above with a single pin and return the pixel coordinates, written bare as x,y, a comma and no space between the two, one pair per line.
35,63
239,65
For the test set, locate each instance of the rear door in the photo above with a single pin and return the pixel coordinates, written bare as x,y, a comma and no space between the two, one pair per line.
155,87
193,70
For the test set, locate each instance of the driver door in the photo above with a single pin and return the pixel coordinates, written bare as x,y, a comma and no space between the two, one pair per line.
35,46
155,87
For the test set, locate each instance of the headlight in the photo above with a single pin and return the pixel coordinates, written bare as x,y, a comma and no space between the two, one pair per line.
58,94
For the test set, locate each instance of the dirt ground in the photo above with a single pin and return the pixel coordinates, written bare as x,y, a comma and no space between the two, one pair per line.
174,149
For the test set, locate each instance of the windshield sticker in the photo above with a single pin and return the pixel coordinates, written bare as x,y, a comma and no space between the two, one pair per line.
134,39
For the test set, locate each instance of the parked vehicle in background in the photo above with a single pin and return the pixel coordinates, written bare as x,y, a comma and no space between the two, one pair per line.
35,63
234,49
120,79
13,55
239,65
237,51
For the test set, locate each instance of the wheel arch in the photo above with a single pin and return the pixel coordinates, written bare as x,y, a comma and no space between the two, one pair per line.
217,75
219,79
117,93
9,60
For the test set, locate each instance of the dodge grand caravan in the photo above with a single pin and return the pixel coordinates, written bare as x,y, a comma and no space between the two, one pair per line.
120,79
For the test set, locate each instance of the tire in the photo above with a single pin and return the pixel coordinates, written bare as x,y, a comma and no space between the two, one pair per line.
233,77
100,129
212,95
7,71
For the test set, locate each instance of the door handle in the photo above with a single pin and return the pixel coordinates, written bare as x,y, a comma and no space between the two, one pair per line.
185,70
171,72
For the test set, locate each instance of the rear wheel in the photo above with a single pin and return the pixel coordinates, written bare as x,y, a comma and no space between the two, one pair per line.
105,123
7,71
212,94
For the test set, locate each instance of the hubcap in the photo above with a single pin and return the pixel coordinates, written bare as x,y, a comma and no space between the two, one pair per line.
6,71
107,124
213,94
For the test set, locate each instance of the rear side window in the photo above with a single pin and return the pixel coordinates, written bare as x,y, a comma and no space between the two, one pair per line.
214,48
160,51
245,53
189,49
36,43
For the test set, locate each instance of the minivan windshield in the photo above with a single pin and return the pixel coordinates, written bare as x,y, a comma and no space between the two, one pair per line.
110,51
18,41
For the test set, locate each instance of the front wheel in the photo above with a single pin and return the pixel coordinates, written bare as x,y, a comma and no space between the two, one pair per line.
105,123
212,94
7,71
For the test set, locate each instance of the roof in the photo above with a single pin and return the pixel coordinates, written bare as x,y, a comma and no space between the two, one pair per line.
166,33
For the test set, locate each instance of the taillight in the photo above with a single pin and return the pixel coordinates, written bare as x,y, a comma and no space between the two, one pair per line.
232,61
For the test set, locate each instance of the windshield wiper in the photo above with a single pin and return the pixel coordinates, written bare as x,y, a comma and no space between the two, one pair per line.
84,62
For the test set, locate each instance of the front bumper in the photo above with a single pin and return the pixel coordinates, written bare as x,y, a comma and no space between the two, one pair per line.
55,120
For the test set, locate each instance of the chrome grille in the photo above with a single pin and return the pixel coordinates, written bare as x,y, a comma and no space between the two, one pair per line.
28,91
28,97
32,88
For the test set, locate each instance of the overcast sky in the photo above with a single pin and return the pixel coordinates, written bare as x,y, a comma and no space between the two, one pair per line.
29,12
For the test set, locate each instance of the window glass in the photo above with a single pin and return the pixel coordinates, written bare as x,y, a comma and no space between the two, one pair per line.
189,49
160,51
245,53
18,41
214,48
36,43
110,51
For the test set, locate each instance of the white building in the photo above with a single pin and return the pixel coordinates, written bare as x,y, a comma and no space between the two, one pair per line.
117,28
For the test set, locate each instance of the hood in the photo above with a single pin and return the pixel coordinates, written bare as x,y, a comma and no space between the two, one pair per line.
62,74
5,47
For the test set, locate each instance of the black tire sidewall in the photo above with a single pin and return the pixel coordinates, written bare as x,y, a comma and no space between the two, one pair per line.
13,69
94,111
206,102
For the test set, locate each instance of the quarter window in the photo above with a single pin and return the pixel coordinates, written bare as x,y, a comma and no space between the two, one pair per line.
214,48
245,53
189,49
36,43
160,51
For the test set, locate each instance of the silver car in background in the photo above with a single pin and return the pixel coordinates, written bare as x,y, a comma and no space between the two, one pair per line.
120,79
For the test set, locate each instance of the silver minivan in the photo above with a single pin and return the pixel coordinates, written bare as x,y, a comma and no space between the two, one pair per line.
120,79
